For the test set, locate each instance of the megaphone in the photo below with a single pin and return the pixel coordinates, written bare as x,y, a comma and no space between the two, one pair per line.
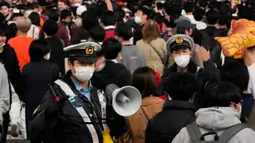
126,100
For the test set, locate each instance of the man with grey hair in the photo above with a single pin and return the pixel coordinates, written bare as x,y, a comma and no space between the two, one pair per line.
21,42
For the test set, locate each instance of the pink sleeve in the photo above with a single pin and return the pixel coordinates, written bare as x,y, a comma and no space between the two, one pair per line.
163,28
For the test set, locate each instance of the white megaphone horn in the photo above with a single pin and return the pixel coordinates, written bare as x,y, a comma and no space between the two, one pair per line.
126,100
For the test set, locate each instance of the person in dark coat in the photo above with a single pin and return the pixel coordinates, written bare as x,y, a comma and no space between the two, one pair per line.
176,113
142,15
9,59
37,76
57,54
111,71
79,33
237,73
72,110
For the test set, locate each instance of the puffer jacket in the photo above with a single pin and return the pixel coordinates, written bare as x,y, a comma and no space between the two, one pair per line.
217,120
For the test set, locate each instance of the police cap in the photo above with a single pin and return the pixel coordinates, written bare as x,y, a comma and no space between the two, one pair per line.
180,41
85,51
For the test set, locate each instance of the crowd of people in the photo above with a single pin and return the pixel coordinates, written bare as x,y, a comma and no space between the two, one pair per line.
58,56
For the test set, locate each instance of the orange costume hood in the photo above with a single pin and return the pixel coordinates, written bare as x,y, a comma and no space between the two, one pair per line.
241,37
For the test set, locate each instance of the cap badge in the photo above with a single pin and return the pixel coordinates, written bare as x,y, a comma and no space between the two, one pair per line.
89,50
179,40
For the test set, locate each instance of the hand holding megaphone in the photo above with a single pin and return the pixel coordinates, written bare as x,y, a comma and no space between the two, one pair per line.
125,101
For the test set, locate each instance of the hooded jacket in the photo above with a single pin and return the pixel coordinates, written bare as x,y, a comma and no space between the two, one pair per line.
217,120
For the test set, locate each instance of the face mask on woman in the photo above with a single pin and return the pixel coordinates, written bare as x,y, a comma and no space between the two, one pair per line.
83,73
182,60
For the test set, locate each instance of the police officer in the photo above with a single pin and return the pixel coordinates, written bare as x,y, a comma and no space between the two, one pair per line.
72,110
189,58
180,47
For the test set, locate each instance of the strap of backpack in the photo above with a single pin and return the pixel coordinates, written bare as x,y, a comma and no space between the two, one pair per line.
194,132
232,131
163,60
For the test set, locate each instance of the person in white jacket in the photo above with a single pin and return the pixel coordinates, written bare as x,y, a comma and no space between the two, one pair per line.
4,93
4,102
17,116
249,60
221,110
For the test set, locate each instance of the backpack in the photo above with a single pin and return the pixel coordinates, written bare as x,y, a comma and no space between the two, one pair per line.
197,137
212,46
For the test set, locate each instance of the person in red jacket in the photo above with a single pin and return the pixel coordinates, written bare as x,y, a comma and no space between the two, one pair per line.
109,21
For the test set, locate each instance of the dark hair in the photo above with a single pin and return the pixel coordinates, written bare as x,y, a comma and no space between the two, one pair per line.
144,80
38,49
5,4
236,72
65,13
97,33
108,18
224,21
35,18
11,31
111,48
89,20
168,10
181,86
160,5
221,94
54,15
50,27
202,3
124,31
66,2
3,32
146,11
212,16
188,7
199,13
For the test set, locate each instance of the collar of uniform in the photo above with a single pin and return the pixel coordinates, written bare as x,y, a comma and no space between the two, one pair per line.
80,88
109,27
185,70
115,61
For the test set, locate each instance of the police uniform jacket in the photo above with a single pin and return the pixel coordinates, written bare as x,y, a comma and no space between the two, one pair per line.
68,126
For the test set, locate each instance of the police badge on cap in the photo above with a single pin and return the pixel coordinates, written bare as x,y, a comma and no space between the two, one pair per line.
180,41
85,51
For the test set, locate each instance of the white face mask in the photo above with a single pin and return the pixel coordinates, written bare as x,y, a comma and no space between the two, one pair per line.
47,57
182,60
138,19
83,73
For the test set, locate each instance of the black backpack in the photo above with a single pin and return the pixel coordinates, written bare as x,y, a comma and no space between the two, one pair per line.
212,46
197,137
